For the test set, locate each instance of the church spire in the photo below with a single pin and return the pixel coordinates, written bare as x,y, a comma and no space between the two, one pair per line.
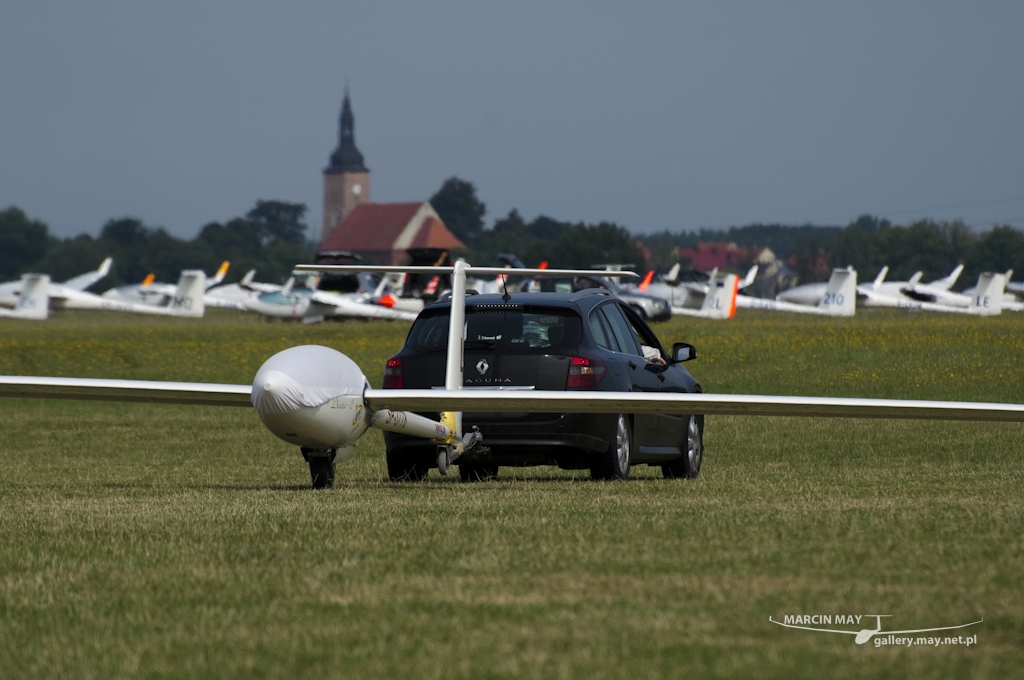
346,157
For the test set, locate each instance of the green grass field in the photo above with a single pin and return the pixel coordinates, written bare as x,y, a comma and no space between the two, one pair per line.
157,541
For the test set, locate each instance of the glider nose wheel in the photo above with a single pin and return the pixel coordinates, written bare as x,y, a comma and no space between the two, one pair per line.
321,466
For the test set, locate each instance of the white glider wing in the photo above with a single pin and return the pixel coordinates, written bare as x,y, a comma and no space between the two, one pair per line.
151,391
707,404
535,401
346,307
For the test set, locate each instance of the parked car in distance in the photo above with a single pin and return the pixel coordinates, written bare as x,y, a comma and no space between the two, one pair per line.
586,340
649,307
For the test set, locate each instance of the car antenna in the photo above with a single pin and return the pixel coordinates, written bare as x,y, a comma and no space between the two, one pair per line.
504,284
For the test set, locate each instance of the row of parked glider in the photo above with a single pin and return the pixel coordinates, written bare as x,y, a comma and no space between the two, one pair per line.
841,295
35,295
715,296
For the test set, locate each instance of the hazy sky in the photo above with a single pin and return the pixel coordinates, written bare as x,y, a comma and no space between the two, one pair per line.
654,115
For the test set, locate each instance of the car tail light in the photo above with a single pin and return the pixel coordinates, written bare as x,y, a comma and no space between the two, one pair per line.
584,372
393,374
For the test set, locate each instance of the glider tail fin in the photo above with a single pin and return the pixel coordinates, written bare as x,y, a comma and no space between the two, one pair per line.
749,278
83,281
219,276
948,282
188,297
34,299
841,293
880,278
720,301
988,296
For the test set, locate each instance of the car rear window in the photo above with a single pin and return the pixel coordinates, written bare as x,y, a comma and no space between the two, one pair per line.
517,331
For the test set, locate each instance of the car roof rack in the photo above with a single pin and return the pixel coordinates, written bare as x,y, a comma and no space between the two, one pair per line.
590,291
446,297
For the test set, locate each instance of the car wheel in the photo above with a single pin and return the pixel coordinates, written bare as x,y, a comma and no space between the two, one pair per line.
614,463
639,311
477,472
403,467
688,464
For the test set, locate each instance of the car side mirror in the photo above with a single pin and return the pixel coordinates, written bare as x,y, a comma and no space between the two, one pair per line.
683,351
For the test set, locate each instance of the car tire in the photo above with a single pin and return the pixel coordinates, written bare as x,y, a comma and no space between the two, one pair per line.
403,467
639,311
477,472
687,466
614,463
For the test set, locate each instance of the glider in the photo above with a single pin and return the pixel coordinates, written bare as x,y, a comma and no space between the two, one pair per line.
319,400
152,292
837,297
187,298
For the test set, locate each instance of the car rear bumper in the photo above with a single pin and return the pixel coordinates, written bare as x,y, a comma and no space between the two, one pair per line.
567,440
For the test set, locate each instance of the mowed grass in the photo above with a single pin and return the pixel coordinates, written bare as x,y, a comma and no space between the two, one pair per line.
157,541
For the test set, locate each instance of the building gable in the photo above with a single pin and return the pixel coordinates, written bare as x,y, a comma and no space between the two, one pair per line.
383,231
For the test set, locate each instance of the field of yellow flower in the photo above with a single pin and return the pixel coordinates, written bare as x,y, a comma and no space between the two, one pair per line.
173,541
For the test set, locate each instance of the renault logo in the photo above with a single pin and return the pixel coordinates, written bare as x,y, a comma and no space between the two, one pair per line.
482,366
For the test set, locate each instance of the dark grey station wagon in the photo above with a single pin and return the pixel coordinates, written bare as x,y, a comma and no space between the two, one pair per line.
588,340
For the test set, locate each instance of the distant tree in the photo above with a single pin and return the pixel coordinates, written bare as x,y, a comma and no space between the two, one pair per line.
239,239
126,232
924,246
996,250
808,257
72,256
857,245
586,245
459,208
280,221
269,239
23,242
562,244
805,247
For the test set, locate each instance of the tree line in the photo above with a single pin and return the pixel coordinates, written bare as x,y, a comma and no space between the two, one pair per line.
867,243
272,238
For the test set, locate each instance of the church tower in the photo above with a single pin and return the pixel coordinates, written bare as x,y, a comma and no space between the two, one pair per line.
346,179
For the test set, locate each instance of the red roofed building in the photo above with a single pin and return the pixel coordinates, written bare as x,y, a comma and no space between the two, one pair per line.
708,256
378,232
381,232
